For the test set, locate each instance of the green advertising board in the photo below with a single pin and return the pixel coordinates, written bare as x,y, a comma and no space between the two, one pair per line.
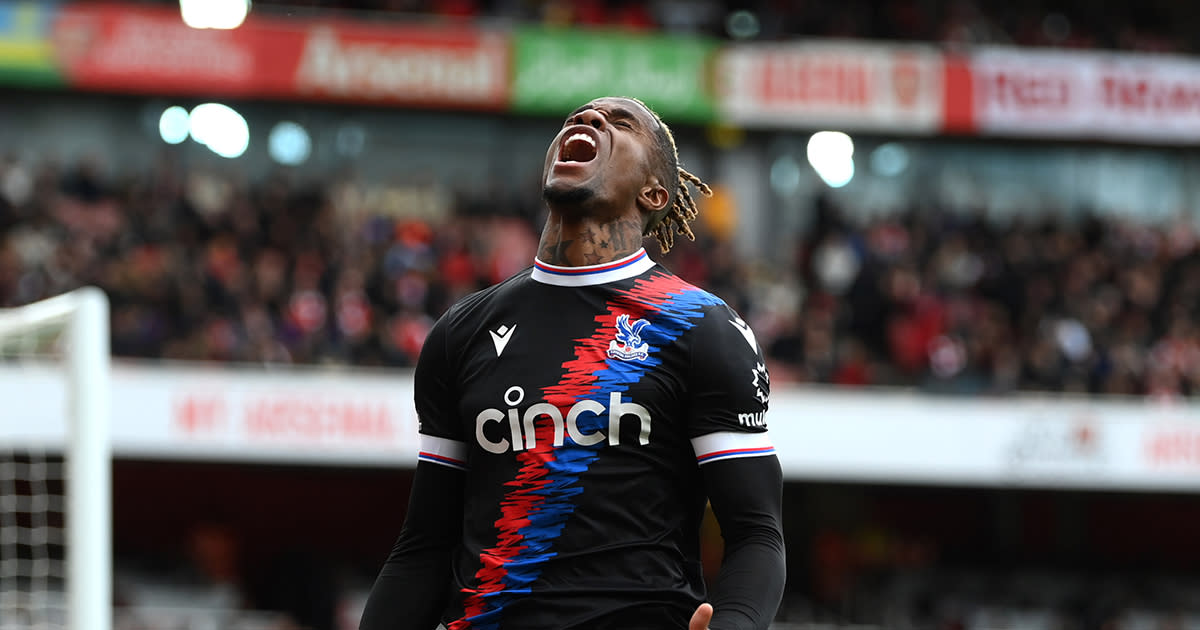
26,55
557,70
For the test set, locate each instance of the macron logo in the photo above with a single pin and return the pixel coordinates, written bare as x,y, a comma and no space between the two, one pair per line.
744,328
500,337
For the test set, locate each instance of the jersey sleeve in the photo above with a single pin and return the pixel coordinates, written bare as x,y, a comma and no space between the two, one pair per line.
436,398
729,389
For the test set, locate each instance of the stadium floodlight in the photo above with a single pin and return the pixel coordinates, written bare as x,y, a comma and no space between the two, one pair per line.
289,143
889,159
831,154
742,24
173,125
222,14
785,176
220,128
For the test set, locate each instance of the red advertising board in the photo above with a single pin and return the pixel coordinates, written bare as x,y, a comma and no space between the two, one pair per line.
132,48
986,91
853,86
900,89
1085,95
958,98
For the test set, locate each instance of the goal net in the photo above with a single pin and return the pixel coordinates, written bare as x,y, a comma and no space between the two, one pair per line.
55,475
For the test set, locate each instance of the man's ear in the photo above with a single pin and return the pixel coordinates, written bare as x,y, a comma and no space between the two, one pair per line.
653,198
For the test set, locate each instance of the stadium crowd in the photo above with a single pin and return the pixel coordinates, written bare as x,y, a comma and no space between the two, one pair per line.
1154,25
202,266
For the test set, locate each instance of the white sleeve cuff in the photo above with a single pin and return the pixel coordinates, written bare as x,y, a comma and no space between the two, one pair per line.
438,450
731,445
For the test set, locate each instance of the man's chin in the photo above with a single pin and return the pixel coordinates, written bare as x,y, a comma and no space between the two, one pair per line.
567,195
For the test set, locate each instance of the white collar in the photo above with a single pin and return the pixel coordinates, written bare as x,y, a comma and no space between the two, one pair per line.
632,265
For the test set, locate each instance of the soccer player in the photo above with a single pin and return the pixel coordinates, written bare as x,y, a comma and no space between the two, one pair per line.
575,418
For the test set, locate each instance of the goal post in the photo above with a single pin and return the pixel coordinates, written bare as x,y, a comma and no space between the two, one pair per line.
79,322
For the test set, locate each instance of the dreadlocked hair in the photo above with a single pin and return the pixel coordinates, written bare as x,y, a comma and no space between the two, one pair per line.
681,208
682,212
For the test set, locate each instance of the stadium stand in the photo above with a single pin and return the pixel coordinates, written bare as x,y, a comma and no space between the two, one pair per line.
942,300
1158,25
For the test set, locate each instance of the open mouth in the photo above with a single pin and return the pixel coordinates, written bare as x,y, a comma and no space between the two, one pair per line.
578,147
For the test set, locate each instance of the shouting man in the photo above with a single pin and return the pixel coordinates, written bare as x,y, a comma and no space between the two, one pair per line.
576,418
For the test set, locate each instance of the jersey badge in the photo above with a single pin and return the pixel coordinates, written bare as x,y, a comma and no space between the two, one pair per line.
628,345
761,382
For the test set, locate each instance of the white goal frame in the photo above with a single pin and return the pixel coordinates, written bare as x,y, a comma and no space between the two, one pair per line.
83,316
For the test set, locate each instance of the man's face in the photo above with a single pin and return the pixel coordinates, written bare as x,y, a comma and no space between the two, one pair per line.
603,153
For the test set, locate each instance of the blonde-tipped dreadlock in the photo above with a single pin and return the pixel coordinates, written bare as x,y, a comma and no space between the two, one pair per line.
682,212
681,208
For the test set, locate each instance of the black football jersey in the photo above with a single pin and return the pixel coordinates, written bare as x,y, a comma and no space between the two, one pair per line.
581,403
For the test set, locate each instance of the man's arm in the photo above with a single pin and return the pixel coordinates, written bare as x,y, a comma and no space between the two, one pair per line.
730,391
746,497
412,587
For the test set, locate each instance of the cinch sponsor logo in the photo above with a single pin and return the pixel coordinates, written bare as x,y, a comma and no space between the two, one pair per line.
520,423
757,419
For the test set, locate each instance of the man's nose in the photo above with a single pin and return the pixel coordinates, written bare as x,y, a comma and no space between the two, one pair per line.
590,117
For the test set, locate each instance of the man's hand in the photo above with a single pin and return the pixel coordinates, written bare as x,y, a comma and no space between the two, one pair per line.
701,617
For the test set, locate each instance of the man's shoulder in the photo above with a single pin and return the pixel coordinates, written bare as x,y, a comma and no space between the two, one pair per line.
682,294
715,321
659,279
471,305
